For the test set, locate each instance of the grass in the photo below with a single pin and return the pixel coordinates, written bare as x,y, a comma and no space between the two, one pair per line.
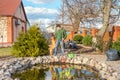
5,52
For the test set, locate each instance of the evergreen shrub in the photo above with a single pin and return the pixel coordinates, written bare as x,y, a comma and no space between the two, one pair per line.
30,44
78,39
87,40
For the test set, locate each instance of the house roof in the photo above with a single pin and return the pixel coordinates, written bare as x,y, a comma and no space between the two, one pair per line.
9,7
67,27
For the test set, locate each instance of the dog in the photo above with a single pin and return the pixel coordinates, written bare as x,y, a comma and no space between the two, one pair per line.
52,46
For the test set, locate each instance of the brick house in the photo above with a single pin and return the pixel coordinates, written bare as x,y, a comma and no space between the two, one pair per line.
12,21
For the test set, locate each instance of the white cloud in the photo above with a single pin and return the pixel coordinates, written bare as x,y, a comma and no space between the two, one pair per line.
36,15
35,10
42,22
41,1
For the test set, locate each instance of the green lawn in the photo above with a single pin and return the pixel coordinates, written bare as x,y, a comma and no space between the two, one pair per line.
5,51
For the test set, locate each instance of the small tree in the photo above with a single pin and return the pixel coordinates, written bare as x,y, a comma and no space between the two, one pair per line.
87,40
32,43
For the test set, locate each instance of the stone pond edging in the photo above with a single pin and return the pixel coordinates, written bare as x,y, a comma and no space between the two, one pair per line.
7,68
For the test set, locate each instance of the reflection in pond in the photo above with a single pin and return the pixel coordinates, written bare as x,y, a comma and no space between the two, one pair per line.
32,74
58,72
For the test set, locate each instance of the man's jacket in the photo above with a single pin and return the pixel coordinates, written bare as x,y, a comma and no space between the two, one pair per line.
60,34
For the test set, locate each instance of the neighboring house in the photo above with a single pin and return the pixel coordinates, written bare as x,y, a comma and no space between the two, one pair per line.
67,27
12,21
88,31
52,28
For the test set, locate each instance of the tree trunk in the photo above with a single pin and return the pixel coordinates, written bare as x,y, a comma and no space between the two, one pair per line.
106,16
76,25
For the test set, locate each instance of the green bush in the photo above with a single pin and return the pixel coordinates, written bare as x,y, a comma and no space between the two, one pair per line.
87,40
30,44
78,39
99,46
116,45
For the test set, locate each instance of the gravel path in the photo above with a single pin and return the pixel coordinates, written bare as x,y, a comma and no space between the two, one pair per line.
102,58
88,52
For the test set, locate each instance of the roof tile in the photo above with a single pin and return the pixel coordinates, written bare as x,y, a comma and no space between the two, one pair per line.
8,7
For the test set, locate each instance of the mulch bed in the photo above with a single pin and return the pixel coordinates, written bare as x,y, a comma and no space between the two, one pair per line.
84,50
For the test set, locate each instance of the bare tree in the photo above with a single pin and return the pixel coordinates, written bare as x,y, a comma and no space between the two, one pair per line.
80,11
105,12
110,12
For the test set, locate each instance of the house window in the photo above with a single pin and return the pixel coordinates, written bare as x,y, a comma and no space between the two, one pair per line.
80,31
22,29
17,22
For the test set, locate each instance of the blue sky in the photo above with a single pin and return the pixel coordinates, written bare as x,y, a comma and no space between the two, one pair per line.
41,11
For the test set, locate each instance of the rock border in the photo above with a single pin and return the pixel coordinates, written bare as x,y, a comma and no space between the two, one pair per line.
7,68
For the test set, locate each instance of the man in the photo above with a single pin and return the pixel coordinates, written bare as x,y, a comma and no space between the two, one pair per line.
60,35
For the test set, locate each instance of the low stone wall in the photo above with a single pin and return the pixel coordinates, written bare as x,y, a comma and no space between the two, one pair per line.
7,68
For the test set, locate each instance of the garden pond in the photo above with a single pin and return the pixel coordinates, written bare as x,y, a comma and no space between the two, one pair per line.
58,72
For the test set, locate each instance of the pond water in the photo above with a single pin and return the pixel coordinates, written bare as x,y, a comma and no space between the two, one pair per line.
58,72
